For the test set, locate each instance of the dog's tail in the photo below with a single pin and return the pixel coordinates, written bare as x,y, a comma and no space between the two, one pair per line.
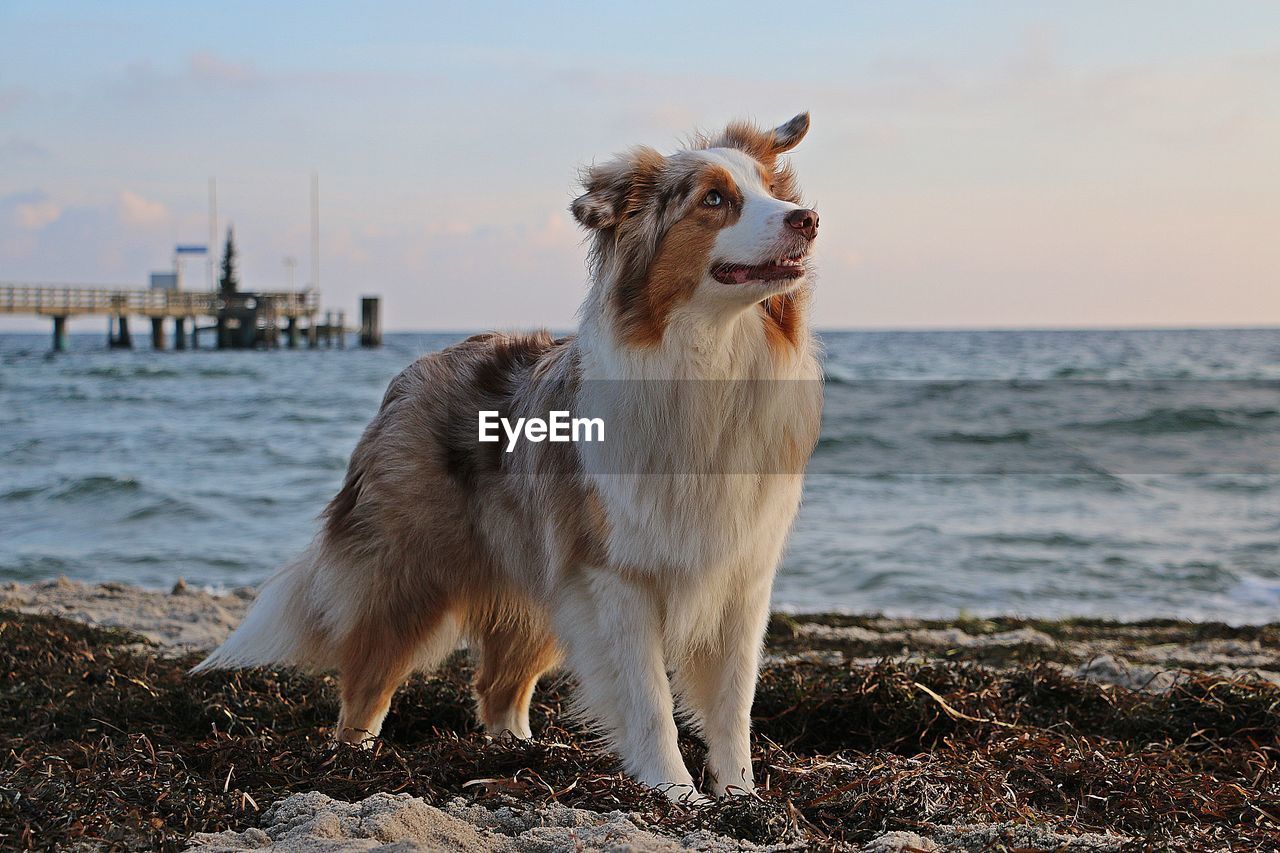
279,628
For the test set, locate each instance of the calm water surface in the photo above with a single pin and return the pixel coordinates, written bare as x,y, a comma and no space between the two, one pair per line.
1050,473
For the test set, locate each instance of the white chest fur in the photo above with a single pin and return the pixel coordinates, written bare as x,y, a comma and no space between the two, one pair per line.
706,443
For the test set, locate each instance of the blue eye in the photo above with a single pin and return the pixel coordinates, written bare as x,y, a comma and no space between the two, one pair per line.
713,199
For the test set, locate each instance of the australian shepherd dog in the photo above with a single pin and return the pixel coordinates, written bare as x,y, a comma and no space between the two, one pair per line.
642,563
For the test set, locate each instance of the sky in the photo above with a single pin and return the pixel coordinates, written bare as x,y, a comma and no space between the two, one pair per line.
975,164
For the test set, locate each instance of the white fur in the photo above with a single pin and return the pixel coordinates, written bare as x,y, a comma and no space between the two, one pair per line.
270,632
710,541
759,235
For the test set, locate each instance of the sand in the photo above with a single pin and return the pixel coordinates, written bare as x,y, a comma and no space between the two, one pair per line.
183,619
187,618
387,822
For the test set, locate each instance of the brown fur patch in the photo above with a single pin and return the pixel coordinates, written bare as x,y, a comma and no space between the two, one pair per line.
782,326
749,139
590,530
647,294
512,656
375,657
762,145
339,515
499,365
618,190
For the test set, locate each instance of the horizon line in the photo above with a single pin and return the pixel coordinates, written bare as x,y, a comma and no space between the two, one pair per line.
1264,327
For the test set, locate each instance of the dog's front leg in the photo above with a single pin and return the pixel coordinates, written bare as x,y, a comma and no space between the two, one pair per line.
614,644
718,685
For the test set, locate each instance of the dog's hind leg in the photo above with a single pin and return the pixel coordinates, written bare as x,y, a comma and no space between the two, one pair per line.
378,655
512,656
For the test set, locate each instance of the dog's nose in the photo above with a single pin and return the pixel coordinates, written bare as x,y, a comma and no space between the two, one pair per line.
805,221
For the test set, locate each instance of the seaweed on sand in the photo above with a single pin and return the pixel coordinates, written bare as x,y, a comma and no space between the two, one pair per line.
102,741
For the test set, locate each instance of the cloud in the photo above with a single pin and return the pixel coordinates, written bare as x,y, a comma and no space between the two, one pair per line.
22,148
136,210
111,241
31,210
208,67
142,83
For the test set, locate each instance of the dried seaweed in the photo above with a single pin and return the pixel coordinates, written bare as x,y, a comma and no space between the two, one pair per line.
106,743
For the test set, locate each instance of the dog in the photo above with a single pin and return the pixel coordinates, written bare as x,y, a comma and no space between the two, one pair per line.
643,563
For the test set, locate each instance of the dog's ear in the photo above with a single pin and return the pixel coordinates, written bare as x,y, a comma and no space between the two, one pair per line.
764,145
788,136
616,188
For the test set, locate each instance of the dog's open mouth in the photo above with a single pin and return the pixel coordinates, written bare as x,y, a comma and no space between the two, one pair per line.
776,270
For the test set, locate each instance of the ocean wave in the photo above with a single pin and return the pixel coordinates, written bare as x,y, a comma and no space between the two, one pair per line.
1256,591
97,486
64,395
23,493
1015,436
1258,486
860,439
304,457
170,509
138,371
28,567
223,372
1191,419
1054,539
313,417
831,378
1080,373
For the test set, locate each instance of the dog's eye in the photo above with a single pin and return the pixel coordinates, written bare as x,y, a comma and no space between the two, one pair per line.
713,199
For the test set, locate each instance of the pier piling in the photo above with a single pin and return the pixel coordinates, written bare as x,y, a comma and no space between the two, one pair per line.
157,333
370,322
59,334
179,333
120,339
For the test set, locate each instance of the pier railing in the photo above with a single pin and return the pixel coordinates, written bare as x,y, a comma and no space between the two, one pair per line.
68,301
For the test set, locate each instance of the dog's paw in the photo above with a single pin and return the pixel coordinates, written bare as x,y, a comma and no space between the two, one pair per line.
355,738
684,794
737,785
741,790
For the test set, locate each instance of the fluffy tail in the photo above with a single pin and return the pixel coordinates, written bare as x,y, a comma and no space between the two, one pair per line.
277,628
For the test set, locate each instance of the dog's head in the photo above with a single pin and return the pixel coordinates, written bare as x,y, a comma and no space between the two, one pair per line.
716,228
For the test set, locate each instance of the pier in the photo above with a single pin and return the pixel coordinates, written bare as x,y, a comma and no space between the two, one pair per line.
238,321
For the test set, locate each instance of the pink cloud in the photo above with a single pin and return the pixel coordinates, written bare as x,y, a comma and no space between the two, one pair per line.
136,210
35,215
211,68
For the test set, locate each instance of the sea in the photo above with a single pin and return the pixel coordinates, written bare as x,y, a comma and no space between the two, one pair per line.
1118,474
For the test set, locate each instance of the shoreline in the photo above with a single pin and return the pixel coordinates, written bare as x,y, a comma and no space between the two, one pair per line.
873,733
1145,653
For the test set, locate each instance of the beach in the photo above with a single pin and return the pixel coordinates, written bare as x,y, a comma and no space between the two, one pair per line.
999,704
871,733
